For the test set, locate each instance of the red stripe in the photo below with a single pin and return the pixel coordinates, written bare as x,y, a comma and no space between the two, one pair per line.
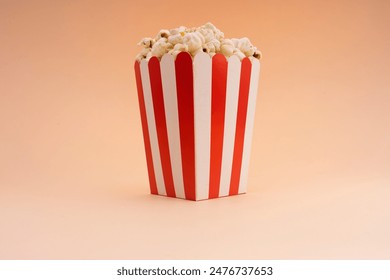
185,101
161,126
148,150
240,125
218,101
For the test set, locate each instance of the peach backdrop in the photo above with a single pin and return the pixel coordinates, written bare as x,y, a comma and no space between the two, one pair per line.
73,177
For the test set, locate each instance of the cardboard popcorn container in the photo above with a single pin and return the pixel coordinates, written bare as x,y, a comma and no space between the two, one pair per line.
197,119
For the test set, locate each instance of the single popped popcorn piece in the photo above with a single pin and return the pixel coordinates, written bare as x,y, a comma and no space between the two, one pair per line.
146,42
217,33
212,46
227,50
179,30
193,40
197,33
161,47
207,34
245,46
164,33
228,42
244,42
175,39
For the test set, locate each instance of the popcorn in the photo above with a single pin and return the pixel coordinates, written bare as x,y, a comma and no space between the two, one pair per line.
174,53
196,52
149,56
245,46
257,54
161,47
206,38
175,39
179,30
181,47
163,34
228,42
177,94
146,42
217,33
193,41
235,42
178,48
139,57
227,50
239,53
207,34
212,46
145,51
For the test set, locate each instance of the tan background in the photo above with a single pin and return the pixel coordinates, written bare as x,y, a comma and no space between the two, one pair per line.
73,181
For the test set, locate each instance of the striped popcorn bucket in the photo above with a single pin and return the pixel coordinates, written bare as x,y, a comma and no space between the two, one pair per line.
197,119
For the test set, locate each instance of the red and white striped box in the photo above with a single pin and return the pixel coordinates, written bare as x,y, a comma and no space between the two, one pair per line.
197,119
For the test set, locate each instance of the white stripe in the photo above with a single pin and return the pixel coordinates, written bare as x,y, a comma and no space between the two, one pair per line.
250,118
202,118
232,92
152,127
172,118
